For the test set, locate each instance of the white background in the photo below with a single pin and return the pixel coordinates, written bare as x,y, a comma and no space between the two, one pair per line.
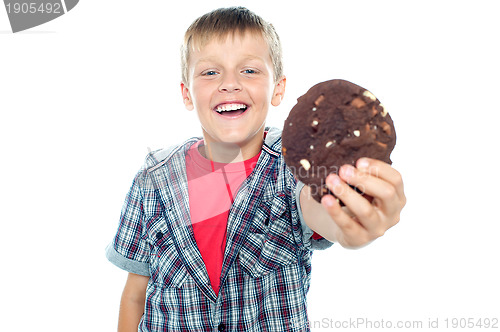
83,98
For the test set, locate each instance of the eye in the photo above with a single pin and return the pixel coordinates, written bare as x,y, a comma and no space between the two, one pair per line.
209,73
249,71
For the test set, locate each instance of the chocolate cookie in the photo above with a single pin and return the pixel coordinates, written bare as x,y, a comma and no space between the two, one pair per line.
335,123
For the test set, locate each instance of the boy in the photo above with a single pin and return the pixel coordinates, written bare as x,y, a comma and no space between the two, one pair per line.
216,233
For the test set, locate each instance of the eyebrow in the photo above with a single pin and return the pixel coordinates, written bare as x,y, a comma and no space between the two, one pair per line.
253,57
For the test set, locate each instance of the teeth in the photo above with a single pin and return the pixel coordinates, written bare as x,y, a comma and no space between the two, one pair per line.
230,107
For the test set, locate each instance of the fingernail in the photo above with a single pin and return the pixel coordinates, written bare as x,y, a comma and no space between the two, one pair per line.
328,200
333,180
363,164
347,171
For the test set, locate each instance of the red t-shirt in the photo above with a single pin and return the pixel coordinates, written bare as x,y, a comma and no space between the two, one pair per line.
212,187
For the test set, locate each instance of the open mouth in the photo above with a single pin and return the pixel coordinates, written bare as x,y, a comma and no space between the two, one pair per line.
231,109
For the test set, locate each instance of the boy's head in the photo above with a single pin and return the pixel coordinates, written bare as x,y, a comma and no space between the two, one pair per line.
232,74
221,23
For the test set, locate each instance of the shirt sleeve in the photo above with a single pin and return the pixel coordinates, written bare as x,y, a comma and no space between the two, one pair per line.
129,249
310,242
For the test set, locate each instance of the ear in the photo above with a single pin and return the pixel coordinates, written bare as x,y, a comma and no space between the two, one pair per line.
186,97
279,92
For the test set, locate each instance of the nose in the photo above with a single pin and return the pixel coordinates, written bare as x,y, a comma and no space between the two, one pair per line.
229,83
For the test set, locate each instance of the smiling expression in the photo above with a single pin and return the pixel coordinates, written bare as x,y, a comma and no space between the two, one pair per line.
231,85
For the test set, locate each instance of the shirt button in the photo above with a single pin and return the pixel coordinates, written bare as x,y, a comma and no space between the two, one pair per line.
159,235
221,327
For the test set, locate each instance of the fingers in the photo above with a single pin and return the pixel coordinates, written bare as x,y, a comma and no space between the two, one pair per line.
362,211
381,170
352,233
362,220
376,179
360,206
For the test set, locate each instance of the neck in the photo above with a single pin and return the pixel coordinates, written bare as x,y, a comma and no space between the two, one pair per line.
229,152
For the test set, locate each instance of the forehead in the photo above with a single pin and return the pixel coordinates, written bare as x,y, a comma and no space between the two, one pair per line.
251,42
199,40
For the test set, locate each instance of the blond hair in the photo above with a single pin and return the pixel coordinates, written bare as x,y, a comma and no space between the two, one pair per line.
222,22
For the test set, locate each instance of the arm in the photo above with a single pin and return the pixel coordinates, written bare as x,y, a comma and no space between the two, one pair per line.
132,302
360,221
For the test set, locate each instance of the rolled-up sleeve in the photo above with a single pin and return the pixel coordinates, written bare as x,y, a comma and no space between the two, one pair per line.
302,233
307,232
129,249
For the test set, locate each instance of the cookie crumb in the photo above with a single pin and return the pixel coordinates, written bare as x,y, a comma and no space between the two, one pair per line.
306,164
319,100
358,102
386,127
384,111
370,95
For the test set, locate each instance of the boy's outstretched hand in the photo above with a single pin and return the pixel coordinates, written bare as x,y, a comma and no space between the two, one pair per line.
362,219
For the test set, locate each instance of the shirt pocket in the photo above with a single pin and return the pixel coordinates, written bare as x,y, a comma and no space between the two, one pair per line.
269,245
166,267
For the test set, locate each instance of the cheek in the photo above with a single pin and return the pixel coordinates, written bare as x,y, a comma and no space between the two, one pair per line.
201,96
261,94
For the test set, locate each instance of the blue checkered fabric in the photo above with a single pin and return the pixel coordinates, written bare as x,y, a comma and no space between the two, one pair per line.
267,262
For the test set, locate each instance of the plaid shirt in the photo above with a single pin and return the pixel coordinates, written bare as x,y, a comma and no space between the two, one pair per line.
267,261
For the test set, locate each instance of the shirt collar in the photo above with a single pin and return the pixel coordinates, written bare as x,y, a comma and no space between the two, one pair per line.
272,142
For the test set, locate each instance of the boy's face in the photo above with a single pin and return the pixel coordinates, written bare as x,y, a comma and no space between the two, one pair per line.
231,85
